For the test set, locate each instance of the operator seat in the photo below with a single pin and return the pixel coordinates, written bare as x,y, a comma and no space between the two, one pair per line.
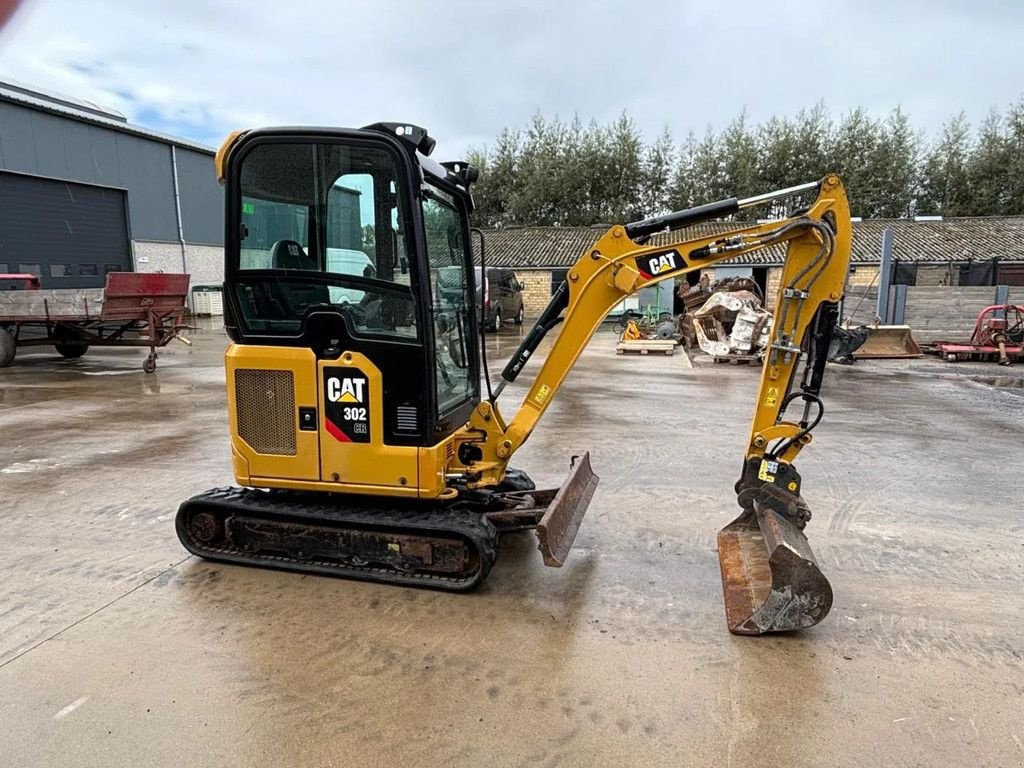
297,296
289,254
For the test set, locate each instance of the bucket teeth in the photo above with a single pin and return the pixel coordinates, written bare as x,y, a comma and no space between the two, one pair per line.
770,579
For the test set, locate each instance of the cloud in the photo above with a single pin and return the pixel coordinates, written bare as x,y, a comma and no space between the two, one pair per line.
467,69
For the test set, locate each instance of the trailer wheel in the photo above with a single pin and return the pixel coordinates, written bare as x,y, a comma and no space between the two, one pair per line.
7,348
71,349
149,364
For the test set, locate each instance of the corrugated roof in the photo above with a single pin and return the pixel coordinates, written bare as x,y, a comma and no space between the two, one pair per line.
957,239
22,97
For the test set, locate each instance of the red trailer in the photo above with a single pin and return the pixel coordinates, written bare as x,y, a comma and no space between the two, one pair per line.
19,282
133,310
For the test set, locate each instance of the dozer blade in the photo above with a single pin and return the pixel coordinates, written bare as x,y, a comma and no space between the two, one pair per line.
770,578
557,529
888,341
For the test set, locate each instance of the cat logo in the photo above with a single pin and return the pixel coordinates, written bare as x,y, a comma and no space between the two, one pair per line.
345,390
659,263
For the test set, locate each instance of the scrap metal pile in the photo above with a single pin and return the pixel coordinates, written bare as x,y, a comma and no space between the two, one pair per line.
730,320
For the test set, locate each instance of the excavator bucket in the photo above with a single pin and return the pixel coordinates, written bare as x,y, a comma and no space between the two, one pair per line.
888,341
770,578
557,529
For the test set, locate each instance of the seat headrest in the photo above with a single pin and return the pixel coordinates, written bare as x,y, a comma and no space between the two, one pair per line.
288,254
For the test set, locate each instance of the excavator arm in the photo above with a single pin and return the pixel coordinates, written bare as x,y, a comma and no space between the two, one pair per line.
770,577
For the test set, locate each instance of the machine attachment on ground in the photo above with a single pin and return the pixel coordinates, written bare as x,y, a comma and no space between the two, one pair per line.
888,342
998,334
358,427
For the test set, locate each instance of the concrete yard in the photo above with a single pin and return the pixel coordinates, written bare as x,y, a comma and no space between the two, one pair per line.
118,649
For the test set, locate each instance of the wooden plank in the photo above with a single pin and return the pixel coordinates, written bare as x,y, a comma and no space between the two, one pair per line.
57,303
645,346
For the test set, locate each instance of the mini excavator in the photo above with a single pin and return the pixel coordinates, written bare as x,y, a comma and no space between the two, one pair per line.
361,442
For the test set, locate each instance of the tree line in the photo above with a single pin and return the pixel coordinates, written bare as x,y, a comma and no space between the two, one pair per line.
559,173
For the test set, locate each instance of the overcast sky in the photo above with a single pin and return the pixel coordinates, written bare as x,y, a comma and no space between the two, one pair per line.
466,68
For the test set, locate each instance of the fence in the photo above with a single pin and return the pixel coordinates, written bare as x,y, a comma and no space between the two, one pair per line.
935,313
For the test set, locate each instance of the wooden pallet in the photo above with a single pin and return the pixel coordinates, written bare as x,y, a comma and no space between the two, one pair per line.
738,360
646,346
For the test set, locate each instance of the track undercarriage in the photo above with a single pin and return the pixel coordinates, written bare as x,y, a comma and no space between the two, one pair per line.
442,545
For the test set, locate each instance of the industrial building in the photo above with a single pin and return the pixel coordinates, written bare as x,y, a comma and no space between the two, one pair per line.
974,251
83,192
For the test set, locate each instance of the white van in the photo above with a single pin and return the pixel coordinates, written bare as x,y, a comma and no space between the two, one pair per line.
345,261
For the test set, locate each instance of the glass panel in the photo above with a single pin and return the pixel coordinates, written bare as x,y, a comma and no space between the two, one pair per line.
58,270
28,269
88,270
448,260
328,209
108,268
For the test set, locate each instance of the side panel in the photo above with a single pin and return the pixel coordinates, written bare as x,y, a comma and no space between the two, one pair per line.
352,449
266,388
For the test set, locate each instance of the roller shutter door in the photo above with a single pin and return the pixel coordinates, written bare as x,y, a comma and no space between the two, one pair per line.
71,235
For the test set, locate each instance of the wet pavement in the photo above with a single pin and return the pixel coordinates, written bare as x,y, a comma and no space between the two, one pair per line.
118,649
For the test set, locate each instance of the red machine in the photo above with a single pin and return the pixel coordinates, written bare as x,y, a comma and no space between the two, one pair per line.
19,282
998,332
133,310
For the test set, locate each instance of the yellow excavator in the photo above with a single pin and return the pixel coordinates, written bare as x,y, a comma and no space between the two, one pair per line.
360,439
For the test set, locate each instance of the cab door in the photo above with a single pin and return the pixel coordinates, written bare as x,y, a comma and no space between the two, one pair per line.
454,328
352,449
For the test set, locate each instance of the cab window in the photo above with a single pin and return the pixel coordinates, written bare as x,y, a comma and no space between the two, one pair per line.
327,217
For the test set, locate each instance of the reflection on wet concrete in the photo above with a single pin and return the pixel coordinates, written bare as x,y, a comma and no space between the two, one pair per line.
619,658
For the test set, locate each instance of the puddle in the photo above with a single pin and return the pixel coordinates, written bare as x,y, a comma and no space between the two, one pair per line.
1003,382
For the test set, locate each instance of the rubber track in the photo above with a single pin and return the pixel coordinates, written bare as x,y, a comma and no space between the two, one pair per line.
296,507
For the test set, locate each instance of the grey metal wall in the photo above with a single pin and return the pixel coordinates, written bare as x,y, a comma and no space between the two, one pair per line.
202,198
42,144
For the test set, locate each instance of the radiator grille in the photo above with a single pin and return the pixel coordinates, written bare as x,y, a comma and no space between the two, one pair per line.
265,404
407,420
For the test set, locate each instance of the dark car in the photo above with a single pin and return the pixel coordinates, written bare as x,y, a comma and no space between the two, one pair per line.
501,294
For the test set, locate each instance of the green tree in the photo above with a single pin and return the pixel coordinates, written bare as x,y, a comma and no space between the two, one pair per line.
988,169
499,178
683,191
708,169
656,175
739,159
776,149
369,239
895,163
853,156
1014,174
569,174
624,171
944,186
